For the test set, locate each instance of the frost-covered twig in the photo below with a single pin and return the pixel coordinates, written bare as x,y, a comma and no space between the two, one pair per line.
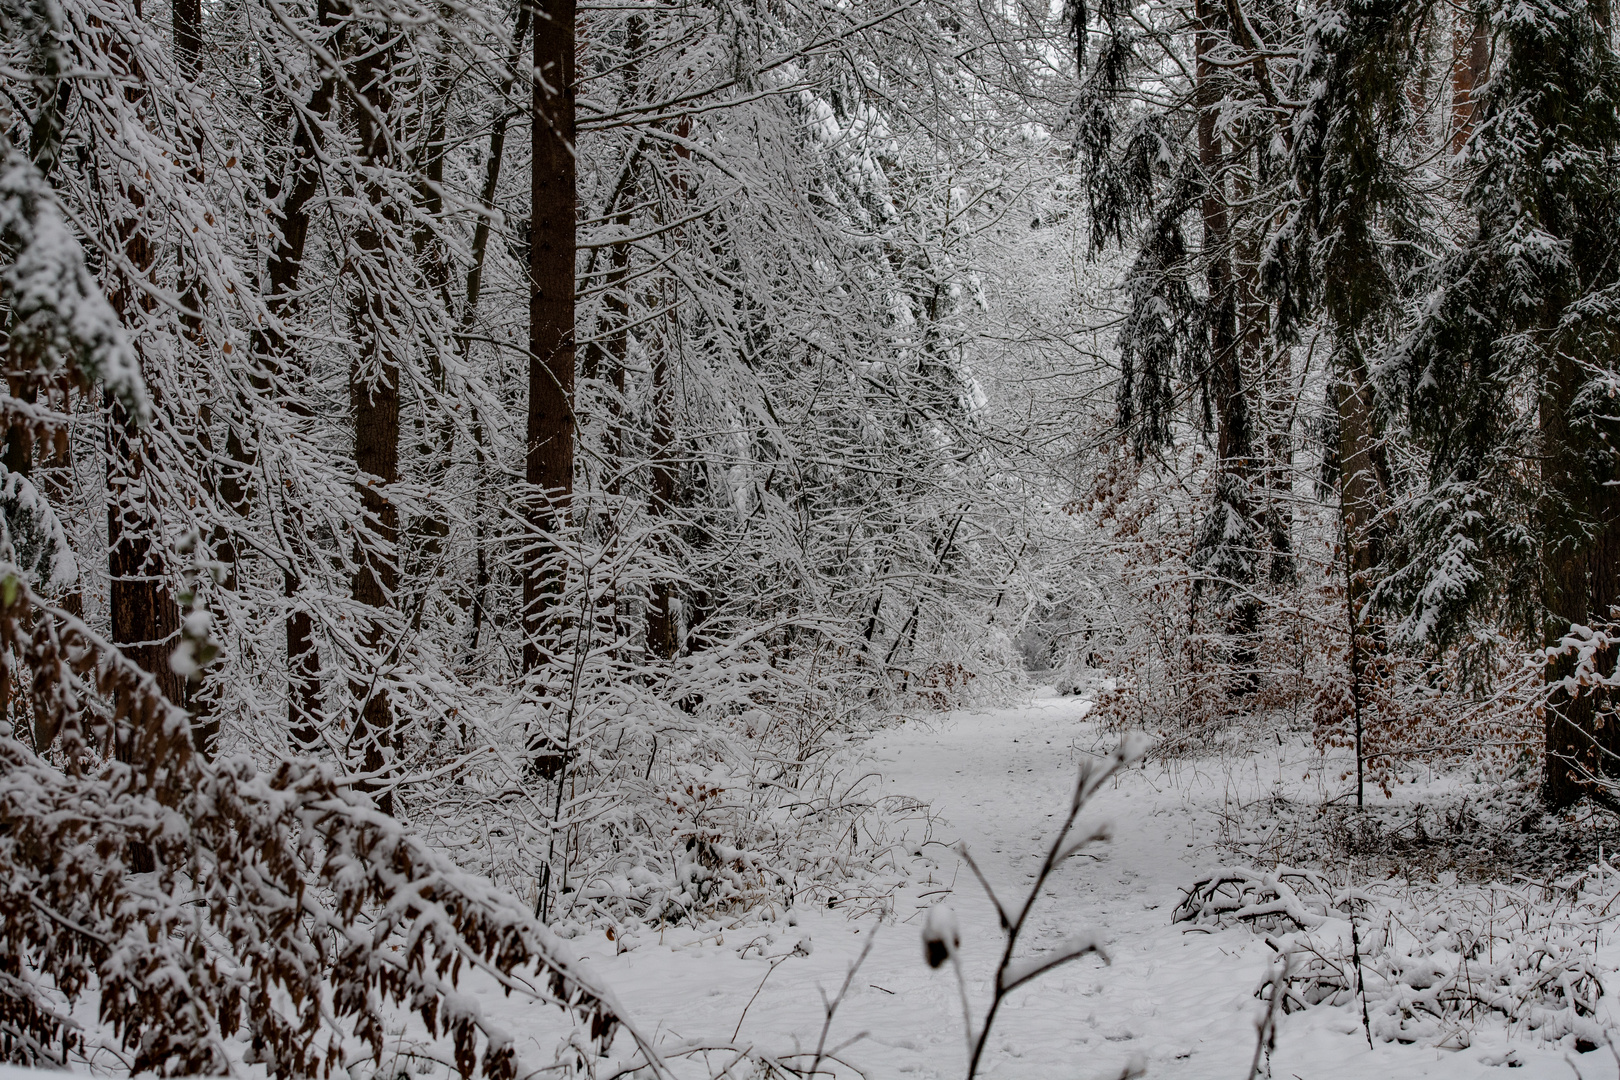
1266,1038
830,1008
941,939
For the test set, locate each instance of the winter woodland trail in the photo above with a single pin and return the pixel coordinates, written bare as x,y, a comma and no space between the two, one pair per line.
1181,1003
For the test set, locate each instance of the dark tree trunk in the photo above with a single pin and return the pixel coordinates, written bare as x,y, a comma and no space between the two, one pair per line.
19,450
1363,486
469,313
663,629
435,434
1229,394
550,446
1226,376
1581,582
1362,474
145,618
282,269
492,175
374,397
186,22
186,17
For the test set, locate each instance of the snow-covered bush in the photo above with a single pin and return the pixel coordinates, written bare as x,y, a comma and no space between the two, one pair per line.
1427,965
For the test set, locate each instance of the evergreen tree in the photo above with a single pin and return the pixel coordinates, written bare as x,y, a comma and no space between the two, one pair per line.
1509,373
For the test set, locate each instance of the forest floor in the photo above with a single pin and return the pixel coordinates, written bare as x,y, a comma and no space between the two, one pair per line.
1180,1003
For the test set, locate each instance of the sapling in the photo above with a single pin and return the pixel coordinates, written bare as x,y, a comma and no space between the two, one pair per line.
942,939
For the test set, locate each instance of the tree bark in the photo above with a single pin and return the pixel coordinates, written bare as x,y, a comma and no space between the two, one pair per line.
1363,474
1580,559
1470,58
145,618
374,397
186,23
549,463
663,625
282,271
1229,394
186,20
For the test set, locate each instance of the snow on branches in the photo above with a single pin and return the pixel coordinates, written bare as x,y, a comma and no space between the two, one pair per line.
1425,965
202,902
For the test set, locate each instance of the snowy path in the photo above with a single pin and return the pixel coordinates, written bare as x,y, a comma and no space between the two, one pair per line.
1180,1002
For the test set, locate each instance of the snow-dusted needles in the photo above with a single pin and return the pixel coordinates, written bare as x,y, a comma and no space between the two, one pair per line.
942,937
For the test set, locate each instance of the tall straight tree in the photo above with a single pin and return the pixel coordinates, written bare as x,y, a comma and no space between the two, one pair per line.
145,616
549,449
374,396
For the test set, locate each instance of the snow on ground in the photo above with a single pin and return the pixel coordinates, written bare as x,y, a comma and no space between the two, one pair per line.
1181,1003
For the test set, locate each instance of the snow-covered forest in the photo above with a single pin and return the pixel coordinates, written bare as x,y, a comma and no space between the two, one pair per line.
1087,534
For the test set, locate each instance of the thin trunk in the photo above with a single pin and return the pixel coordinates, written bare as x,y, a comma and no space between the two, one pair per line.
1266,370
435,428
469,315
1231,412
186,22
374,397
607,354
1280,466
663,621
1470,58
492,175
1364,475
663,626
1363,481
282,270
549,459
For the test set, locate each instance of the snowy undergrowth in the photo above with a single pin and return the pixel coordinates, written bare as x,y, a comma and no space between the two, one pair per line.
639,814
746,988
1429,965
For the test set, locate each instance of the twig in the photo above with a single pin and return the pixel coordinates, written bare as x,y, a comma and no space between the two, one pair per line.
1267,1039
831,1007
1011,973
774,965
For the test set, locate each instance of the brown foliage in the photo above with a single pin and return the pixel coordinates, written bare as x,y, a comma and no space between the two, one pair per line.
282,906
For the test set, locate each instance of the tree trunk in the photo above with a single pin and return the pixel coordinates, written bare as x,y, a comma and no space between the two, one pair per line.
374,397
469,314
186,20
1233,566
145,618
1470,58
435,434
1580,559
186,23
282,270
1363,474
663,627
549,461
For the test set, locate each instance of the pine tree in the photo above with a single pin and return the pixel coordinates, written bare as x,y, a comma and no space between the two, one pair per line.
1513,360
